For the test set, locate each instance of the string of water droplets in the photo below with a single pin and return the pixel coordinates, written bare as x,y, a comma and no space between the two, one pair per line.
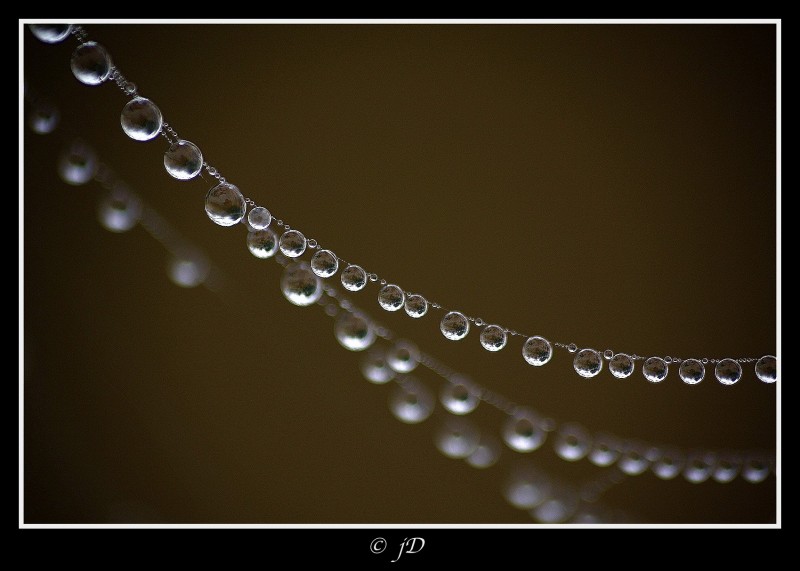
225,205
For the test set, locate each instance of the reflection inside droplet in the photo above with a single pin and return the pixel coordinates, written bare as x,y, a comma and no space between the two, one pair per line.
522,431
572,442
605,451
458,396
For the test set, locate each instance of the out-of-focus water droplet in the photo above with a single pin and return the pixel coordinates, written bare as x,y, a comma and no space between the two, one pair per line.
375,368
454,326
572,442
91,63
50,33
605,450
411,402
183,160
486,454
527,488
43,118
225,204
522,431
727,468
78,163
458,396
324,263
141,119
187,272
669,464
353,330
633,460
119,210
457,438
755,469
699,467
588,363
416,305
403,356
300,285
561,505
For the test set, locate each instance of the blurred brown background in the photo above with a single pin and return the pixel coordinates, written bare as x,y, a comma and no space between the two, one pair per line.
604,184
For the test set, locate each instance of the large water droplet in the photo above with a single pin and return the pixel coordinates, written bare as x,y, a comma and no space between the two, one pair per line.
225,204
299,284
183,160
91,63
454,325
353,330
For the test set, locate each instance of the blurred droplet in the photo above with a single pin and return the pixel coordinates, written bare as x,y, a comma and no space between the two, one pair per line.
411,402
186,272
457,438
119,210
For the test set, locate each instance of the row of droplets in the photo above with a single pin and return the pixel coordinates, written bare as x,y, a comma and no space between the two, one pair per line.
225,205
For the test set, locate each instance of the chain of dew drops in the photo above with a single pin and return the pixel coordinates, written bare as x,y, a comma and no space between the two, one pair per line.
526,430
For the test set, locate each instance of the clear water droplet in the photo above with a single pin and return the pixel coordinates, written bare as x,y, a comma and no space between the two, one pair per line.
353,330
699,468
457,438
411,402
572,442
91,63
324,263
537,351
262,243
299,284
588,363
493,338
572,347
655,369
78,163
391,297
354,278
259,218
454,326
183,160
669,464
522,431
50,33
293,243
186,272
727,468
43,118
621,365
416,305
459,396
605,451
403,356
691,371
225,204
375,368
755,469
119,211
486,454
767,369
141,119
728,371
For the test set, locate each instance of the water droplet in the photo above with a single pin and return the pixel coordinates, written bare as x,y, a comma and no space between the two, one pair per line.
454,325
588,363
183,160
91,63
699,468
522,431
655,369
605,451
354,278
572,347
262,243
633,460
119,211
50,33
537,351
755,469
324,263
416,305
767,369
572,442
187,273
621,365
727,468
225,204
43,118
353,330
293,243
259,218
411,402
457,438
459,396
527,489
691,371
375,368
391,297
78,163
486,454
299,284
669,464
728,371
141,119
558,508
493,338
403,356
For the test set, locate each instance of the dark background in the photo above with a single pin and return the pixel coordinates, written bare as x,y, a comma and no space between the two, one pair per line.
611,185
